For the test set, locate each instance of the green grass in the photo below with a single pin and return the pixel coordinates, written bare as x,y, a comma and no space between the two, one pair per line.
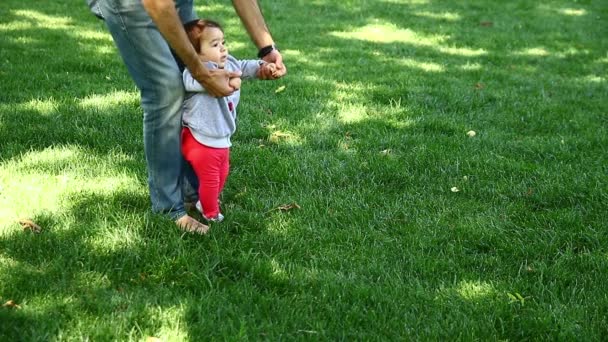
368,137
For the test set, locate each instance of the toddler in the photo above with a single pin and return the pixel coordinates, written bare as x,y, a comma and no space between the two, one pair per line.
209,122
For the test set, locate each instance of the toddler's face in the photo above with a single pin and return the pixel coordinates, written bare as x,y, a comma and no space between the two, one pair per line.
212,46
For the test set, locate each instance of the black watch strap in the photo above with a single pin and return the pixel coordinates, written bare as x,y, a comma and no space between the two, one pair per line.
266,50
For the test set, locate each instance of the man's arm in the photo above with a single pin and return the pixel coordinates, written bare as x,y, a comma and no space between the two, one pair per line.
165,17
251,16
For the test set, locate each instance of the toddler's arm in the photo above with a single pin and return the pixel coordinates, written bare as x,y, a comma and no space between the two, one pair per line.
191,84
255,68
249,67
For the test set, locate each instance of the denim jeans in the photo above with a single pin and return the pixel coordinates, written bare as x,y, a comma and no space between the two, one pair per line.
151,65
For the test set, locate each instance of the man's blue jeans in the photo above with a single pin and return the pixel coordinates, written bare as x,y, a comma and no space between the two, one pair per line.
151,65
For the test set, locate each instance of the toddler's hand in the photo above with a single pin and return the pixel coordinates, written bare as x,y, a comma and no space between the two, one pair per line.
268,71
235,83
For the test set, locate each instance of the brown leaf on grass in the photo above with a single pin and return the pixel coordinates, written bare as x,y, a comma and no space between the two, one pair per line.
11,305
30,225
486,23
286,207
479,85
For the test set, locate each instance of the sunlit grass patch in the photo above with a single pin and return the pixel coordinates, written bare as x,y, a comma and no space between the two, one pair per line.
462,51
424,66
576,12
42,106
387,33
439,15
44,181
25,40
353,113
409,2
171,322
105,101
41,20
108,239
538,51
594,79
349,92
283,137
14,26
471,66
94,35
474,290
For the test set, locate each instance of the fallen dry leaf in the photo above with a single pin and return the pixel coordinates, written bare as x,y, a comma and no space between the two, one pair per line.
386,152
28,224
11,305
279,89
486,23
286,207
479,85
454,189
471,134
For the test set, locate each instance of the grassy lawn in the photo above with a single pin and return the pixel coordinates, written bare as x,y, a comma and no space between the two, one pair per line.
358,208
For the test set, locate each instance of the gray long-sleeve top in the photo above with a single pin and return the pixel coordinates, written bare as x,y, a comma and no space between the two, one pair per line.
212,120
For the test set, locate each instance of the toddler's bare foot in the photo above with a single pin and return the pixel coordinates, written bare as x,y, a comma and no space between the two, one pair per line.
190,225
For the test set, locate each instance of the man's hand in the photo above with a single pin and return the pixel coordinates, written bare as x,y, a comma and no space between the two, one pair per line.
218,82
274,57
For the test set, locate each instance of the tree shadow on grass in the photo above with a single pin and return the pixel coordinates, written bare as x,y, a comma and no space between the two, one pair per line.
99,259
73,100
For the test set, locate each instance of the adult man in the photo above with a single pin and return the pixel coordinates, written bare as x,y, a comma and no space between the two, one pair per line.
144,32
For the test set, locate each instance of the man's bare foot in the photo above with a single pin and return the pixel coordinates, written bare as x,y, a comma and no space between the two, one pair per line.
190,225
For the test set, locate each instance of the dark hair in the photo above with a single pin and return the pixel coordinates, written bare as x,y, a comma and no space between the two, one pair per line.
195,29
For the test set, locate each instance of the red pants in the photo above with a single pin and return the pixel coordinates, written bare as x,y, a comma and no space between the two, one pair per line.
211,166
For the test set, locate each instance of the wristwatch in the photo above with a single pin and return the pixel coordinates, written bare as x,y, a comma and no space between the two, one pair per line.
266,50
